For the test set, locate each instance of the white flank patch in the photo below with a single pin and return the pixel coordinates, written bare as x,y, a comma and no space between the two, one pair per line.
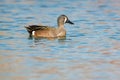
33,33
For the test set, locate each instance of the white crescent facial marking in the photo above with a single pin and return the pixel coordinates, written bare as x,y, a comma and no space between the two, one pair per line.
65,20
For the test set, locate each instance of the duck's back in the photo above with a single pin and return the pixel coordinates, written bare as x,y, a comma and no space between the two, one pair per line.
41,31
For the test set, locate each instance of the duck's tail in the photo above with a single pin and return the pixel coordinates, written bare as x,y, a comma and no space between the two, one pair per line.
29,29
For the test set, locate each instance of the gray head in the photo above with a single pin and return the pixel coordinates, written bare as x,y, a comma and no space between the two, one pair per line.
62,19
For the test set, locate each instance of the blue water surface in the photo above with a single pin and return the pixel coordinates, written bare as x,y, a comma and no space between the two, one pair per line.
90,51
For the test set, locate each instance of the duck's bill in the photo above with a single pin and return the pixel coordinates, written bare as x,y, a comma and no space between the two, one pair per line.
68,21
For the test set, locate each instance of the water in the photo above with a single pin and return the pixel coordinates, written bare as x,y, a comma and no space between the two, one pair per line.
91,50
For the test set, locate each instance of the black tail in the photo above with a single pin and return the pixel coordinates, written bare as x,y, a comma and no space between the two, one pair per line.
32,28
29,29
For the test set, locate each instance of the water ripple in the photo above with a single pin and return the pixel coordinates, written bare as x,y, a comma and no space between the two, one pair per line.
90,50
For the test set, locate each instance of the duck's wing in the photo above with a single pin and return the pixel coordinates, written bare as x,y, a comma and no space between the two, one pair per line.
36,27
31,28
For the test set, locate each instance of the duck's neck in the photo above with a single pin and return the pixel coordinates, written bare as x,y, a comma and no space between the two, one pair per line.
61,30
60,26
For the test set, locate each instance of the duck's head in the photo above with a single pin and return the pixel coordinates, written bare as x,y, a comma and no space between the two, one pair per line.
62,19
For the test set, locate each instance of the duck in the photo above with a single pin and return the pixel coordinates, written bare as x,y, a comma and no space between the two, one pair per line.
47,31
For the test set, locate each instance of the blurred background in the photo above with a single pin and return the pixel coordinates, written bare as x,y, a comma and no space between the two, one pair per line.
91,50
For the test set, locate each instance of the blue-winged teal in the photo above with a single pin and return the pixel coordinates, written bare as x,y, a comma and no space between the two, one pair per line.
46,31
